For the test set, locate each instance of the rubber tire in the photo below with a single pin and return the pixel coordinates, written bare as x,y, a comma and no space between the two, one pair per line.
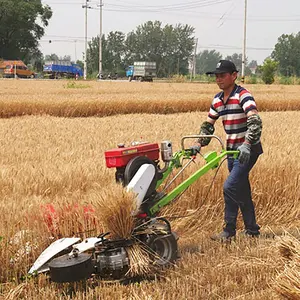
168,249
129,78
134,165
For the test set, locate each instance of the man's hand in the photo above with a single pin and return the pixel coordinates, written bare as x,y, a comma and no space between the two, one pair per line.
195,149
206,128
245,150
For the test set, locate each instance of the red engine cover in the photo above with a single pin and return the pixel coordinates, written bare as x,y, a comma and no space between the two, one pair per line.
119,157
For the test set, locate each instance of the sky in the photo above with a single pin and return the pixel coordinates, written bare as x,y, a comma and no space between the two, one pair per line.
219,24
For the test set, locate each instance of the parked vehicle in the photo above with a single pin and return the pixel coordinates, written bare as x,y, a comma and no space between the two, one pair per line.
21,71
59,69
141,71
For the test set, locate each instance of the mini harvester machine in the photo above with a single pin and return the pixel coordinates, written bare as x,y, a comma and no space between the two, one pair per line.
138,168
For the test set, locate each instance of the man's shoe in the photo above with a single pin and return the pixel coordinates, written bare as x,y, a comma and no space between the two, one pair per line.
223,236
249,233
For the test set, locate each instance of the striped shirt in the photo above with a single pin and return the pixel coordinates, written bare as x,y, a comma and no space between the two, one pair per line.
233,114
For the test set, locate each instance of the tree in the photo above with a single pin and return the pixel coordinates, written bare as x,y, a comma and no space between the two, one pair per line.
80,63
51,57
287,53
65,58
22,25
253,65
268,70
170,47
207,61
237,59
115,52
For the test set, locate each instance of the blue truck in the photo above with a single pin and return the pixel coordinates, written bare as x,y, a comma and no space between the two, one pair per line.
61,69
141,71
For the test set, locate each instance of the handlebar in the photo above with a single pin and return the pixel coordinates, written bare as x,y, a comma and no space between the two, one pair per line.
198,136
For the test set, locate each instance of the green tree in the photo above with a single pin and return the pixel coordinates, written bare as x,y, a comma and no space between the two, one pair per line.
185,47
268,70
112,53
237,59
51,57
80,63
170,47
287,53
207,61
22,25
115,52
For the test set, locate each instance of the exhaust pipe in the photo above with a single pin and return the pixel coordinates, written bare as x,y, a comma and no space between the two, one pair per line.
166,153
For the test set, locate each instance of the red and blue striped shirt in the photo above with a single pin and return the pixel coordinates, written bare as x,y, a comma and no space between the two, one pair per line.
233,114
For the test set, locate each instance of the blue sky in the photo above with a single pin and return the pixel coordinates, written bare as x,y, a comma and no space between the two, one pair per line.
218,23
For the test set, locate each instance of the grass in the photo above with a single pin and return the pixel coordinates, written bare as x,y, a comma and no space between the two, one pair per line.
76,85
59,162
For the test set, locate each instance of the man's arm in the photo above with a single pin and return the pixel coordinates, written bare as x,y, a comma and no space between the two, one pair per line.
254,127
207,128
211,121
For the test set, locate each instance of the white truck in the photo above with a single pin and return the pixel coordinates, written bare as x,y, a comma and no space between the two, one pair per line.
141,71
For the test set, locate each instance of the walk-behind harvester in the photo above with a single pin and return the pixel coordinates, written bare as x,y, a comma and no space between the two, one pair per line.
138,169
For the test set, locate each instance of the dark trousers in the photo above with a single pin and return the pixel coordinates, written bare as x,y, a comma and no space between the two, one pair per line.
237,194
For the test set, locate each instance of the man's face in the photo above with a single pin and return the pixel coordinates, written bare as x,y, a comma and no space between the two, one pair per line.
225,80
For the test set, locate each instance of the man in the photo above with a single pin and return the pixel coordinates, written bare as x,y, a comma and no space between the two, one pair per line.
237,109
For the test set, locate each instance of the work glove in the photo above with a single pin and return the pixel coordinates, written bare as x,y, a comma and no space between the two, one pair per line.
195,149
245,150
206,129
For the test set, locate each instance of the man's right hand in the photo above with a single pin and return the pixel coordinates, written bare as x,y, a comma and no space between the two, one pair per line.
195,149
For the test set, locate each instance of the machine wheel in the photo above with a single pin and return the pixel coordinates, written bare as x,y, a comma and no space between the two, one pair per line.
134,165
164,248
67,268
129,78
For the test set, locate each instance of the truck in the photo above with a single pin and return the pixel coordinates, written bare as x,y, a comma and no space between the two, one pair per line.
61,69
141,71
15,69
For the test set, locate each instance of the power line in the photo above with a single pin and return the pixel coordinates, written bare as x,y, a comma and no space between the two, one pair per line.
185,7
218,46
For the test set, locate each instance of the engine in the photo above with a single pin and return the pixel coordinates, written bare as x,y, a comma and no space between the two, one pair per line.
129,160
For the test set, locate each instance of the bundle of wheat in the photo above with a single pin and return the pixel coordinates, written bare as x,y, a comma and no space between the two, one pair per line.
114,208
288,281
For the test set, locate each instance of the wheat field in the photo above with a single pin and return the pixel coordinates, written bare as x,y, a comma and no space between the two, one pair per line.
52,155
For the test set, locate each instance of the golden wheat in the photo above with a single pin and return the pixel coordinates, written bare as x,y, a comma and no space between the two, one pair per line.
18,98
287,282
53,177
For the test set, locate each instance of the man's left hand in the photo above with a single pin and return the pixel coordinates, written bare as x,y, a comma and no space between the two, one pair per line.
245,150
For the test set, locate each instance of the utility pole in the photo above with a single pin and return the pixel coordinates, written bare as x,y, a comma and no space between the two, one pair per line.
85,39
75,41
193,70
100,41
244,44
194,59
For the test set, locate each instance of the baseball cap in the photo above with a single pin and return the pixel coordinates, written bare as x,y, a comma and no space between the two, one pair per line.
224,66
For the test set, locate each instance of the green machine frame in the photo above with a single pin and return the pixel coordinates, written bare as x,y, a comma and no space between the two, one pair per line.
212,159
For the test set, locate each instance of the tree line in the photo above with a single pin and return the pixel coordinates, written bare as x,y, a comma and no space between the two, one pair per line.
171,47
23,23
